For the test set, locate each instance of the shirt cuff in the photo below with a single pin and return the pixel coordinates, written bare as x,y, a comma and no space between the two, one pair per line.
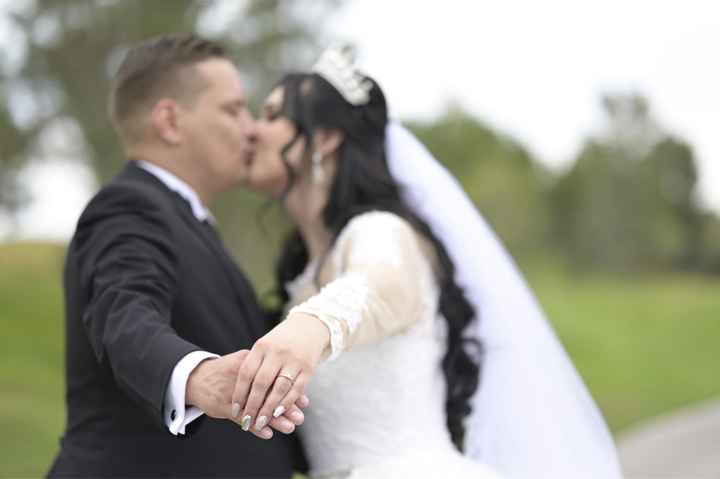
177,416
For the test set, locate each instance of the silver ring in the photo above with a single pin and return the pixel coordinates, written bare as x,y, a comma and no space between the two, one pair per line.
289,378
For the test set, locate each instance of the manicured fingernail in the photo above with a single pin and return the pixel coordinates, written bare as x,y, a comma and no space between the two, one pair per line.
266,433
278,411
286,426
245,423
235,409
261,423
297,415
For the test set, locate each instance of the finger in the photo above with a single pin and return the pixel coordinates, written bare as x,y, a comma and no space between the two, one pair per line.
288,402
303,402
264,433
260,386
295,415
239,356
281,387
246,374
282,424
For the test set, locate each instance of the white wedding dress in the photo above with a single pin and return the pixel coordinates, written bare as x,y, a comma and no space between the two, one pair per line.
378,404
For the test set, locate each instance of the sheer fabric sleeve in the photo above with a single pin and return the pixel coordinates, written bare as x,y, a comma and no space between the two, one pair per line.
381,286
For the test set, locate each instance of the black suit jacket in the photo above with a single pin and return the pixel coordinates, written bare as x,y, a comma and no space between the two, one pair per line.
145,284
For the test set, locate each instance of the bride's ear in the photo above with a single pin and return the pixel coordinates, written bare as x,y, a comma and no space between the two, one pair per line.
328,141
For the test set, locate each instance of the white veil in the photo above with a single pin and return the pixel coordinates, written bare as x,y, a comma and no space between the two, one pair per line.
532,416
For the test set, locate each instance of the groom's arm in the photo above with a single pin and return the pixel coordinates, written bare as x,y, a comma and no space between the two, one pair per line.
128,265
129,270
181,394
209,388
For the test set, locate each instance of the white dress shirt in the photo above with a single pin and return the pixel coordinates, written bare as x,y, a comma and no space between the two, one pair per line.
177,415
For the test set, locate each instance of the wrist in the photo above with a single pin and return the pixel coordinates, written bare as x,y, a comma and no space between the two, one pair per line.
314,328
193,389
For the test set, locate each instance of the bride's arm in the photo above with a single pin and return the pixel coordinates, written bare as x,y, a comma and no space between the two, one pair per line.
381,284
382,274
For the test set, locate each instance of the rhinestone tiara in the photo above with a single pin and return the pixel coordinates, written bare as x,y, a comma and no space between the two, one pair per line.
337,66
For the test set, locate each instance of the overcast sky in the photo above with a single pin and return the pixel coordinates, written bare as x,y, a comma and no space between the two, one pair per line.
535,70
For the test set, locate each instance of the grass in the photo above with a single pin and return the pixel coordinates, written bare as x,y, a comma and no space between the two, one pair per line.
644,345
31,364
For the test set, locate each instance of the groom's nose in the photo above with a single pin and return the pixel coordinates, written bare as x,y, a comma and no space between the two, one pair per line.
251,129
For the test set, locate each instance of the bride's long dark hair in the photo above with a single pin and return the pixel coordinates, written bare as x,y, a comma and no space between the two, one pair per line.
363,183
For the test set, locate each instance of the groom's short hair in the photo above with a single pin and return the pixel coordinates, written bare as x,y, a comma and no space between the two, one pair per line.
160,67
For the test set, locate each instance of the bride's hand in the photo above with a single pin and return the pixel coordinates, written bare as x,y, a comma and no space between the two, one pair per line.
274,375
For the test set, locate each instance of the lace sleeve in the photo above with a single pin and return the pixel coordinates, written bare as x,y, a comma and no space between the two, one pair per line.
380,289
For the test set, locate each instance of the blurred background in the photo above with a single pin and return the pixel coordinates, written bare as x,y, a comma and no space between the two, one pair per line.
585,132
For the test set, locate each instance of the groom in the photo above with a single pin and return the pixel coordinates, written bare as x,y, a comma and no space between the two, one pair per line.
151,292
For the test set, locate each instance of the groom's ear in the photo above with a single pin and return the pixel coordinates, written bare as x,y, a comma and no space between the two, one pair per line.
164,121
328,140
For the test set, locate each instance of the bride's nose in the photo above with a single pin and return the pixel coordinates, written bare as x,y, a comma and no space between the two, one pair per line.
251,129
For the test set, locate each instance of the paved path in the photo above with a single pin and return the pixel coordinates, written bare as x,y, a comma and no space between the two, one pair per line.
682,445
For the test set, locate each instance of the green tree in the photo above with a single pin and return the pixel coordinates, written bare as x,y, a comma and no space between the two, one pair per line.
628,202
711,244
497,172
74,46
673,176
55,87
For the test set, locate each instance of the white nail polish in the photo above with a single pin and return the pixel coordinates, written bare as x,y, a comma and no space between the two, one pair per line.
261,423
235,409
287,426
279,411
245,423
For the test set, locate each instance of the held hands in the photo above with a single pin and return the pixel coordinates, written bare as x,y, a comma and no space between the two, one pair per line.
273,375
211,385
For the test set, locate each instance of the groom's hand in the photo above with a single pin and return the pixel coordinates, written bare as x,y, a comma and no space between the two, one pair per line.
210,387
207,385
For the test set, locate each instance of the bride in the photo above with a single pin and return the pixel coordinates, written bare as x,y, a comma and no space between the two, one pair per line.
382,312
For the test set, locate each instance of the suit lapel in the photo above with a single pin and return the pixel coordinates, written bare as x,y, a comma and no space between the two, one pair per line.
242,288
